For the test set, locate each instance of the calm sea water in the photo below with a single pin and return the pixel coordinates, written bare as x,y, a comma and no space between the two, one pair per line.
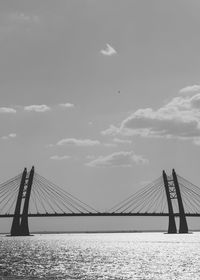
101,256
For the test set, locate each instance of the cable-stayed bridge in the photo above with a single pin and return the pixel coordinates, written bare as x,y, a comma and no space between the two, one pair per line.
31,195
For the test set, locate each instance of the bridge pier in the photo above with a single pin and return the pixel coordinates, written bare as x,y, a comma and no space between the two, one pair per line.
20,221
172,223
172,189
15,228
183,227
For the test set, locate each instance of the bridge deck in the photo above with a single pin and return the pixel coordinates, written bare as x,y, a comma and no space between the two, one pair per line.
101,214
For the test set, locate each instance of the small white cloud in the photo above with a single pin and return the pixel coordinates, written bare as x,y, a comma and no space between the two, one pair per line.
56,157
49,145
7,110
118,159
90,157
67,105
12,135
110,145
196,141
109,50
23,18
6,137
190,89
37,108
112,130
122,141
78,142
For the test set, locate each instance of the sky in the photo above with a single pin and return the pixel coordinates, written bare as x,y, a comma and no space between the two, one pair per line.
100,96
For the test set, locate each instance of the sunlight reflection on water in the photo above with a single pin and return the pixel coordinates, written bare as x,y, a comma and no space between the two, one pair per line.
118,256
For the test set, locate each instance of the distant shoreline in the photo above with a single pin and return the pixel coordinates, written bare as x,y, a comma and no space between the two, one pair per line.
92,232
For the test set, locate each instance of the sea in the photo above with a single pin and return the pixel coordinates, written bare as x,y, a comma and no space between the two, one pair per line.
105,256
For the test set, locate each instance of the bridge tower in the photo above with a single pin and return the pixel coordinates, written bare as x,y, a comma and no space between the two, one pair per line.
20,220
183,228
172,190
169,189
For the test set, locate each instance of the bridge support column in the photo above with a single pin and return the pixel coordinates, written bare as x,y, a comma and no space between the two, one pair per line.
15,228
183,227
24,219
172,223
20,221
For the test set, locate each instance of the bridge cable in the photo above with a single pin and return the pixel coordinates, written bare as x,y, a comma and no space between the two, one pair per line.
54,200
62,195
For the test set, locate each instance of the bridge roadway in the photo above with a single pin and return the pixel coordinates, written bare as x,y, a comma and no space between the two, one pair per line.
101,214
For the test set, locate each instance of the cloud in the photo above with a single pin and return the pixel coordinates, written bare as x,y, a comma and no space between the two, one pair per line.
109,50
90,157
112,130
178,119
56,157
118,159
197,141
23,18
49,145
78,142
11,135
37,108
190,89
7,110
110,145
67,105
122,141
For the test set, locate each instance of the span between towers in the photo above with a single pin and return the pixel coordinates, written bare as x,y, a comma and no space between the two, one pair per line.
139,204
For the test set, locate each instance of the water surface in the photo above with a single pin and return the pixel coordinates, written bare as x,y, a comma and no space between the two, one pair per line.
107,256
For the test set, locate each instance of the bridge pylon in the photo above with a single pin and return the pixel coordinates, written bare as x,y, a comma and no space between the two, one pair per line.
173,192
183,227
20,221
169,192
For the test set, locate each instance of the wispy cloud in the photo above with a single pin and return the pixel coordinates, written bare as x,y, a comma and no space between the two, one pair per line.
67,105
122,141
41,108
11,135
110,145
37,108
19,17
84,143
109,50
118,159
78,142
56,157
111,130
90,157
7,110
190,89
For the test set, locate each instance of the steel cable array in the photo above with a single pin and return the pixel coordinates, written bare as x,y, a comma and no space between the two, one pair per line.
48,198
190,196
8,194
149,199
